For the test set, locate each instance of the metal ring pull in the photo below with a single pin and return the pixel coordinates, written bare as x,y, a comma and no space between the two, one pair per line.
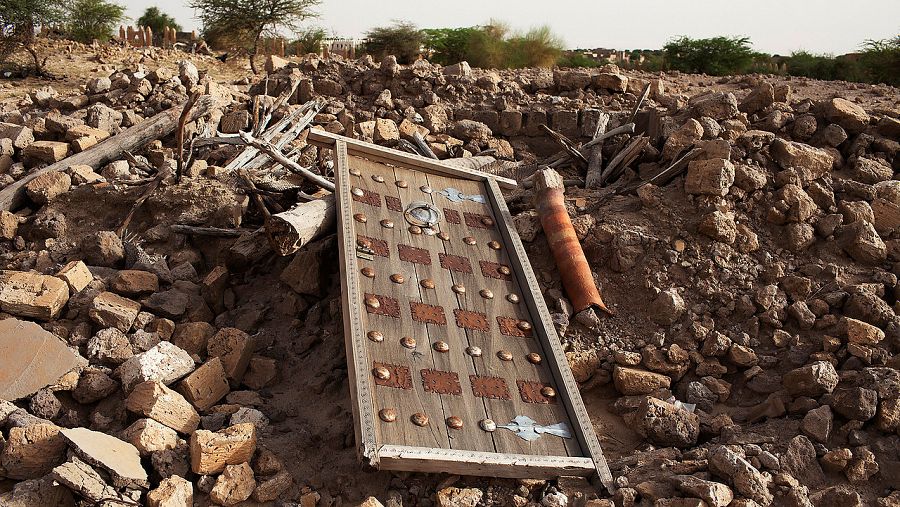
422,214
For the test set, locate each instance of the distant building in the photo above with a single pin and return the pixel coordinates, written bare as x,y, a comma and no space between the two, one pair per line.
621,57
344,47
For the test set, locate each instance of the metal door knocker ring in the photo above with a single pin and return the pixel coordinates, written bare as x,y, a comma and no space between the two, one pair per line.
422,214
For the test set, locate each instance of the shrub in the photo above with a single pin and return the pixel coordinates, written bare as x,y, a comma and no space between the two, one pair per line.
402,39
494,46
309,40
880,61
716,56
18,19
538,47
576,59
93,19
447,46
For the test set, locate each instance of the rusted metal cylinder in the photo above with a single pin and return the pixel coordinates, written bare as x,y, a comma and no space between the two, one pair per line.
570,260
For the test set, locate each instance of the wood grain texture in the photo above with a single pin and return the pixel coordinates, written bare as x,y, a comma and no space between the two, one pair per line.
544,326
357,356
398,457
493,341
390,350
401,445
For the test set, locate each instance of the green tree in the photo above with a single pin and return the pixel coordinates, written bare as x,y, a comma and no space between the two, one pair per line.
18,20
449,45
245,22
157,21
716,56
309,40
93,19
402,39
880,61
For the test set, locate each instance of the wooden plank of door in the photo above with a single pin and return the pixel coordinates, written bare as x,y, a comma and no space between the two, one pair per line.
462,405
433,434
362,398
519,368
572,398
406,399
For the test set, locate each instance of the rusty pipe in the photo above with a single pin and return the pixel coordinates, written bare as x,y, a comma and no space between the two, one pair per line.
567,253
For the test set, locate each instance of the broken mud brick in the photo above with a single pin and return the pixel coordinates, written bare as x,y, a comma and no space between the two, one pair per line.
32,295
400,377
455,263
531,392
368,197
441,382
489,387
211,451
428,314
478,221
452,216
471,320
495,270
393,203
378,246
414,255
31,358
387,306
513,327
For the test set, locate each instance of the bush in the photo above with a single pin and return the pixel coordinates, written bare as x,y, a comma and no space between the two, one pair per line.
93,19
309,40
880,61
157,21
538,47
447,46
402,39
18,19
716,56
576,59
493,46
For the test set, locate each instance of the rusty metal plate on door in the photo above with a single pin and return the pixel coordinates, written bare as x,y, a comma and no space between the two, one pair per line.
514,327
471,320
533,392
495,270
428,314
489,387
393,203
478,220
367,197
451,216
378,247
455,263
431,253
414,254
441,382
382,305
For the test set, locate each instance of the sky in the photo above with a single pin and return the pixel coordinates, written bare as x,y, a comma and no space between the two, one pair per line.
774,26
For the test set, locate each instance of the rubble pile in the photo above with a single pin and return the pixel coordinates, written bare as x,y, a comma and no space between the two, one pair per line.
753,358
